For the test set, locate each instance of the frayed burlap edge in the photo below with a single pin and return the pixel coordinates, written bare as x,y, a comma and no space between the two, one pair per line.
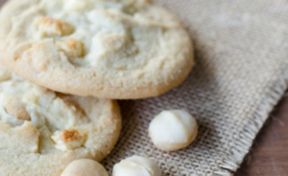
244,141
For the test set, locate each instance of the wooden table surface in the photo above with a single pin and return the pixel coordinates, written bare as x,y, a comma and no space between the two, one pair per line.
269,155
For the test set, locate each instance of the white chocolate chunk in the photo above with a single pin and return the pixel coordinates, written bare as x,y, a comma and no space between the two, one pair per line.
16,109
72,48
173,130
84,167
29,136
50,27
76,5
136,166
4,75
68,139
12,110
24,138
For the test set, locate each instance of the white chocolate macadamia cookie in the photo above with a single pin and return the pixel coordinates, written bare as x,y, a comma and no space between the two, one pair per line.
42,131
117,49
173,130
136,166
84,167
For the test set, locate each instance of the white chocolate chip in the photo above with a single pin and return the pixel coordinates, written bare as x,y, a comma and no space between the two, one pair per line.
68,139
84,167
173,130
136,166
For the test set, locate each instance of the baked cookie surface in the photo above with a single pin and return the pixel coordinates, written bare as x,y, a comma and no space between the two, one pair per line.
114,49
41,131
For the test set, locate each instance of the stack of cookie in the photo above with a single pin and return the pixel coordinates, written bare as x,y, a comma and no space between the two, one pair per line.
62,63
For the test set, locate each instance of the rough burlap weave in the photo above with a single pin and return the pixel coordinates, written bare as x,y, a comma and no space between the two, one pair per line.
241,73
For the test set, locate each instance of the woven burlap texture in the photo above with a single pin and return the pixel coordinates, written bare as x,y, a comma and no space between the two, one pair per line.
241,73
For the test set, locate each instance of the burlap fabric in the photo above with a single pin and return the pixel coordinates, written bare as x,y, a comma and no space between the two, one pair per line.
241,73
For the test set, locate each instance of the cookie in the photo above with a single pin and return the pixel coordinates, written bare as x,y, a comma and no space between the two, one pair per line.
41,131
115,49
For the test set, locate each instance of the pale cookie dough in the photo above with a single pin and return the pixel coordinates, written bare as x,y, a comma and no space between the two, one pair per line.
41,131
173,130
118,49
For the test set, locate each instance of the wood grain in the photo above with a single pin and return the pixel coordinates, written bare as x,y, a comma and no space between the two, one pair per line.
269,155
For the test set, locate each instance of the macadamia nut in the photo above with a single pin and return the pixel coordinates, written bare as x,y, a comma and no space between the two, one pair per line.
173,130
136,166
84,167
